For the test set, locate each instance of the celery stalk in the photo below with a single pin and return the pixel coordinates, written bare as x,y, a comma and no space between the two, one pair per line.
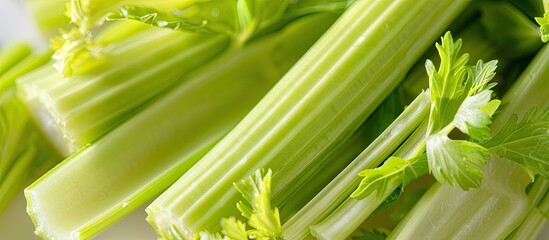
111,177
319,103
505,187
347,216
346,182
492,206
78,110
346,151
536,218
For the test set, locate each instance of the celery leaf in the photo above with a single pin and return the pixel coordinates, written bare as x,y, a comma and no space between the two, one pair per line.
265,221
394,170
446,83
525,142
544,26
234,229
455,161
460,97
472,119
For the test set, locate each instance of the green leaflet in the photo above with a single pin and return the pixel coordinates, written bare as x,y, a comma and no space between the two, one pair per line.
472,119
394,170
460,97
446,83
456,161
241,19
525,142
256,190
265,222
544,26
234,229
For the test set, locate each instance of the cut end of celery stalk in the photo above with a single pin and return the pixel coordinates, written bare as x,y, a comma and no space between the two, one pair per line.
165,224
41,228
46,115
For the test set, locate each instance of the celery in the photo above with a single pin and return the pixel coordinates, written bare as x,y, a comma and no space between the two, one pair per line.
335,193
77,111
143,156
506,182
308,112
533,223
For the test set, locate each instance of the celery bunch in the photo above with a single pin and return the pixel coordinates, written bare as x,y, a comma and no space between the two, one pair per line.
281,119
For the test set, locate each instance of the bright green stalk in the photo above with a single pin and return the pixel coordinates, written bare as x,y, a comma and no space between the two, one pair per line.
346,182
506,182
78,110
318,104
32,62
142,157
345,152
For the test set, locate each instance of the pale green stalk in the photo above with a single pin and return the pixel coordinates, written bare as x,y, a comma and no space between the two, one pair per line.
345,152
77,110
467,214
537,218
447,212
142,157
318,104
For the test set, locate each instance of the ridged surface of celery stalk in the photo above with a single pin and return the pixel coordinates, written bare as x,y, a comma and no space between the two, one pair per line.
142,157
320,102
77,110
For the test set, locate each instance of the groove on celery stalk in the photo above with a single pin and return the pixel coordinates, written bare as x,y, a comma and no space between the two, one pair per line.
111,177
319,103
78,110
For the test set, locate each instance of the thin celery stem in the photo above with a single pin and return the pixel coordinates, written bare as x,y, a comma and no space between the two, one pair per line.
342,186
344,220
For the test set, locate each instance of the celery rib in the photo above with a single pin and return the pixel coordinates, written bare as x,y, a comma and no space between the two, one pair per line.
319,103
111,177
76,111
